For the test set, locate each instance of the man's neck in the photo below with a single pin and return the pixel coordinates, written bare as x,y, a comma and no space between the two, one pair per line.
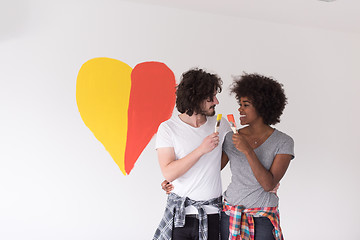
195,120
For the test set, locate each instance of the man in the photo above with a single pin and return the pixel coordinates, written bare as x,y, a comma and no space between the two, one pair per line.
189,154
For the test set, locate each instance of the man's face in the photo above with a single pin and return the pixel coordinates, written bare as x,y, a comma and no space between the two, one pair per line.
208,106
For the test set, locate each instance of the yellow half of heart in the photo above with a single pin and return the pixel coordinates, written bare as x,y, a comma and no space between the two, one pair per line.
102,94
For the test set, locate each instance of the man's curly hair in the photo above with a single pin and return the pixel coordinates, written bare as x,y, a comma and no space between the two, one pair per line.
195,86
266,94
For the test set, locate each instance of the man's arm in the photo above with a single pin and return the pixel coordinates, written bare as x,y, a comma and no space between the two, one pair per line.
168,187
172,168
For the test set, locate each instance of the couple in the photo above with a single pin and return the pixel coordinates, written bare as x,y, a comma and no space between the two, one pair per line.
191,156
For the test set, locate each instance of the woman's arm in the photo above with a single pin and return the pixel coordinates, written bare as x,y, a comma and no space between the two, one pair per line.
268,179
224,160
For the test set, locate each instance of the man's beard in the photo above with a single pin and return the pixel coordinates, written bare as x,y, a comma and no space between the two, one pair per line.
210,112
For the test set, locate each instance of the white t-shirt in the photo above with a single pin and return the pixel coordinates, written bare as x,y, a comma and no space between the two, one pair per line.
203,180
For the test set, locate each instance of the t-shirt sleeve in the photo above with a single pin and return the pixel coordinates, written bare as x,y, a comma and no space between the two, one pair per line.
287,147
227,142
163,137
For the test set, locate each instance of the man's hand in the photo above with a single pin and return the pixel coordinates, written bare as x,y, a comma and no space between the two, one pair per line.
275,189
167,186
209,143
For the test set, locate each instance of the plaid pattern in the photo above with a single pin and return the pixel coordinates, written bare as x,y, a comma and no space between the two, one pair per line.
242,222
175,214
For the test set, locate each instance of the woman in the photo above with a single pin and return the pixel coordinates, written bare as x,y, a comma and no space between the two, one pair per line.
259,156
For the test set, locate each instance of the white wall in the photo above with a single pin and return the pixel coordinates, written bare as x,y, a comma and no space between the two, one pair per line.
58,182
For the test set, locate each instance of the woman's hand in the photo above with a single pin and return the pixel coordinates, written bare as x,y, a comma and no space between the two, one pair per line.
241,143
167,186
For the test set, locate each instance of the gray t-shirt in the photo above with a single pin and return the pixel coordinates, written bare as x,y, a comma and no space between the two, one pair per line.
244,189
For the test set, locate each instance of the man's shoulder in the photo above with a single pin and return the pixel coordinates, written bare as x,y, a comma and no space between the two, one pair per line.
211,118
169,122
172,124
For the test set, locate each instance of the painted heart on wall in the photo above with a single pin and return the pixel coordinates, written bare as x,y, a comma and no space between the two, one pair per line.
123,107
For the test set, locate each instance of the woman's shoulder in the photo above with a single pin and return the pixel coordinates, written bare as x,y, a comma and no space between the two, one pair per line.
283,136
228,135
228,143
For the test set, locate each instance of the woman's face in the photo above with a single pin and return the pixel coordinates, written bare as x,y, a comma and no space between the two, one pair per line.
248,113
